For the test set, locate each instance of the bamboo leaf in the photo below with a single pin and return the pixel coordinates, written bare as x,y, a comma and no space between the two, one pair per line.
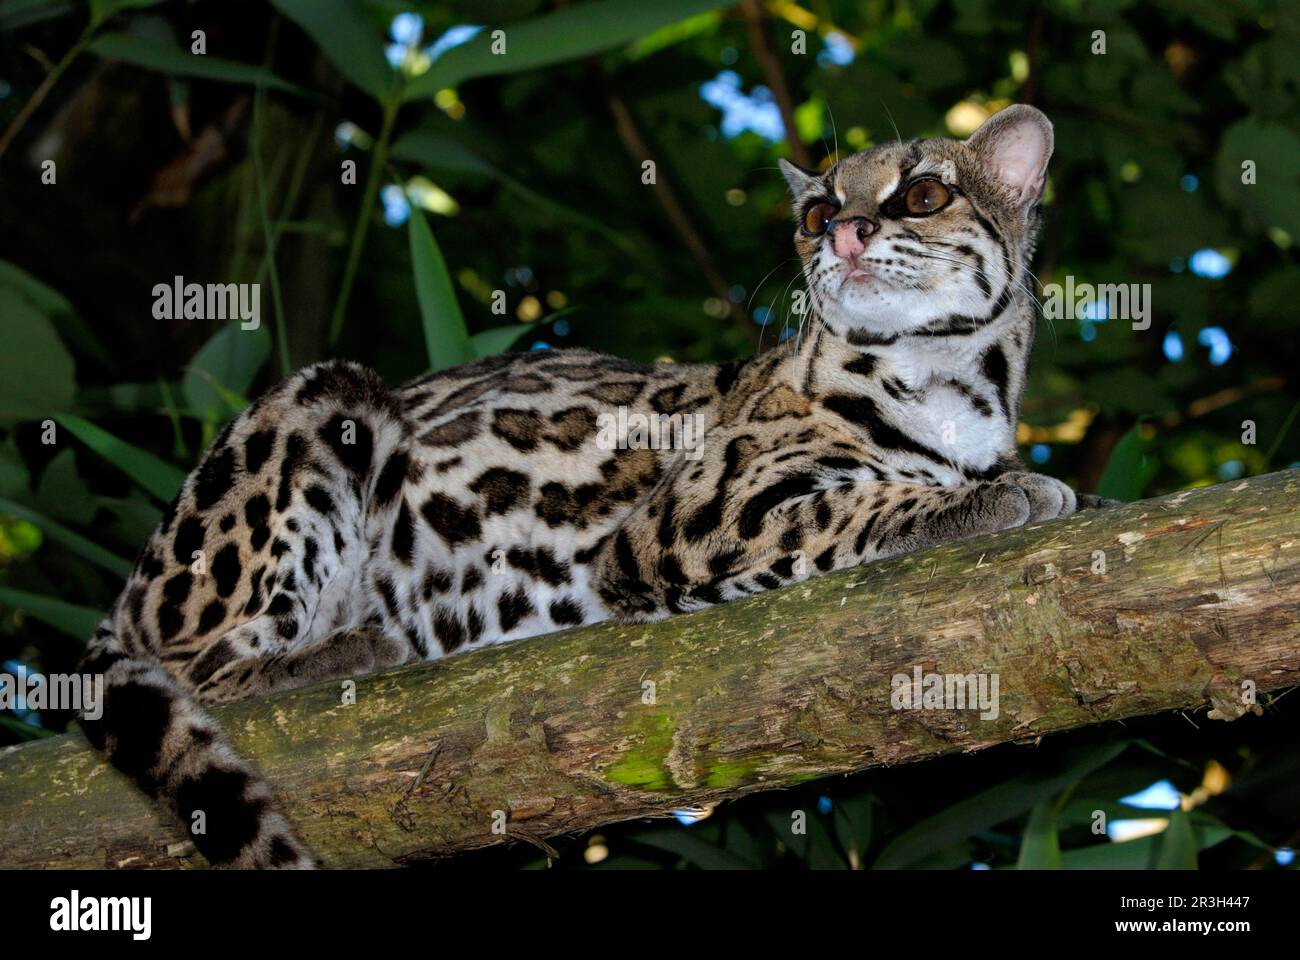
56,307
37,375
992,806
25,731
1040,847
177,61
1177,844
1122,479
76,621
74,541
224,369
157,476
568,34
347,37
489,343
445,336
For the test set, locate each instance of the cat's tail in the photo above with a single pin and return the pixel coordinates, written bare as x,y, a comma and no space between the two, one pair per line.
151,729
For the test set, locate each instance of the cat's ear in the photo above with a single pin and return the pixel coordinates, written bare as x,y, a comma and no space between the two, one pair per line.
796,177
1014,145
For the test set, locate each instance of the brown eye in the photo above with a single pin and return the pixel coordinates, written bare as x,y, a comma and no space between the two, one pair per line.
926,196
817,217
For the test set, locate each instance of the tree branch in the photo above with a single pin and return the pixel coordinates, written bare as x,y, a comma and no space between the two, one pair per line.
1199,592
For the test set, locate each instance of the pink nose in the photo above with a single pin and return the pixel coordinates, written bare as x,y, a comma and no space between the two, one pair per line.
849,237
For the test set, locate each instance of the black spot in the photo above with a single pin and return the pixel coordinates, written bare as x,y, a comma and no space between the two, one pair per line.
226,569
231,818
212,660
757,506
137,717
861,410
281,603
391,478
502,490
189,538
862,365
783,568
254,604
295,456
404,535
513,607
451,521
356,455
727,374
310,552
211,617
257,448
319,499
148,564
227,523
994,366
566,613
177,587
474,622
470,580
282,852
214,478
448,629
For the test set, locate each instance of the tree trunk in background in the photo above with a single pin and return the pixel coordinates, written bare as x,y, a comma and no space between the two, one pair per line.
1152,606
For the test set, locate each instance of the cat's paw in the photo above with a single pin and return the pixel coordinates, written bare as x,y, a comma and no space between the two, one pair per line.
389,650
1047,498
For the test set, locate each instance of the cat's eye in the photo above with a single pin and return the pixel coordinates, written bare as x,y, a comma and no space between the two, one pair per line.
926,196
818,217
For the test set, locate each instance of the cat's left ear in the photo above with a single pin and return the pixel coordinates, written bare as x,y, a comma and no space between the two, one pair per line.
1014,145
796,177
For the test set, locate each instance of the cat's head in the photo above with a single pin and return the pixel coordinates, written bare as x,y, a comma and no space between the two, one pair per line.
923,235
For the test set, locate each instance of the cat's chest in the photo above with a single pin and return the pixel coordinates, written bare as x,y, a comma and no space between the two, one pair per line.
946,406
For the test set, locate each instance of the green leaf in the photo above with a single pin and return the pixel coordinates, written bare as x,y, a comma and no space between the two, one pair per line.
56,307
1138,854
37,375
223,370
1177,844
691,847
497,340
157,476
435,151
349,38
445,336
74,541
176,61
1122,478
76,621
20,13
568,34
439,152
1274,198
1040,848
990,807
25,731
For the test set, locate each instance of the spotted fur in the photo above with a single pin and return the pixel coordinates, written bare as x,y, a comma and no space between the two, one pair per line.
338,525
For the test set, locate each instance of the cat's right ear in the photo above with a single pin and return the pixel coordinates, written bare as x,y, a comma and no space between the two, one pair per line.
796,177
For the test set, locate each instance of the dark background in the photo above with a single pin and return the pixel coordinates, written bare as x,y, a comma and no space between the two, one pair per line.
526,169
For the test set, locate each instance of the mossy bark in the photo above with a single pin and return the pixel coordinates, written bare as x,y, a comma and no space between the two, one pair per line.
1163,604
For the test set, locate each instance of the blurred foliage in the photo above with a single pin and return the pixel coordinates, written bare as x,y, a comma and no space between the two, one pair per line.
477,173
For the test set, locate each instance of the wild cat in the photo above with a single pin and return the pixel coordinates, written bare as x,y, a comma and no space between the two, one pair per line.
346,526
